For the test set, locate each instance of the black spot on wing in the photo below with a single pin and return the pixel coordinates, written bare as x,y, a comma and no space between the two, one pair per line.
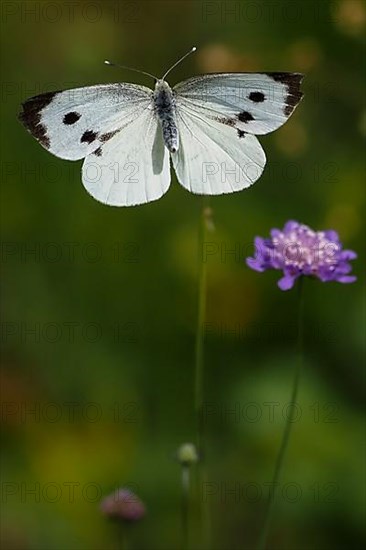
293,83
98,152
31,116
257,97
71,118
88,137
106,137
245,116
232,122
226,121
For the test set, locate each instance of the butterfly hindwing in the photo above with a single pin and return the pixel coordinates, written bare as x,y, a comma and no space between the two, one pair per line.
73,123
132,167
215,158
257,103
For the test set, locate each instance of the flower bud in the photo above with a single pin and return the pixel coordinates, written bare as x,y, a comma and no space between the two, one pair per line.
187,454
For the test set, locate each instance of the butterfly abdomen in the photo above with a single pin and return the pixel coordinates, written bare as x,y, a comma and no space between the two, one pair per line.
164,104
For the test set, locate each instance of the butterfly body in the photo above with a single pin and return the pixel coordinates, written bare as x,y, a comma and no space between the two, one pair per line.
127,134
165,108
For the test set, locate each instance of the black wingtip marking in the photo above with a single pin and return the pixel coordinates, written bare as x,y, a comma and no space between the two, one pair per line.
30,117
88,137
71,118
241,133
293,83
246,117
257,97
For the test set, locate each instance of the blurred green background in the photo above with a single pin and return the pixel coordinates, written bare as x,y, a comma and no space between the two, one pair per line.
99,306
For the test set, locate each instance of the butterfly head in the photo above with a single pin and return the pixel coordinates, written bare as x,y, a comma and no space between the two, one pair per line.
162,86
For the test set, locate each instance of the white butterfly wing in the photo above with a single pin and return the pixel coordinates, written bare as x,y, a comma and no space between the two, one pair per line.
130,168
214,158
73,123
115,128
257,103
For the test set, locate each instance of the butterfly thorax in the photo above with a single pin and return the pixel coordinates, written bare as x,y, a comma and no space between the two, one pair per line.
164,106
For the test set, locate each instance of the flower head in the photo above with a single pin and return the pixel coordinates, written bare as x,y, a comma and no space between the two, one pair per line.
187,454
123,504
298,250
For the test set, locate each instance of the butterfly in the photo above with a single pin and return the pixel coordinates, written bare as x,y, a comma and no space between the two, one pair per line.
127,133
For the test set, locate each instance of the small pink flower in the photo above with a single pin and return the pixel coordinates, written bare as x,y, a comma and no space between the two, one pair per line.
123,504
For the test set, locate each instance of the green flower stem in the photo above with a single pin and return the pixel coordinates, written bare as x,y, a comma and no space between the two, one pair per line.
199,366
186,482
124,536
289,420
201,315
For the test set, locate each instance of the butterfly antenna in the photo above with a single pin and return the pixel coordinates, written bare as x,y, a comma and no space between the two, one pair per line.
129,69
179,60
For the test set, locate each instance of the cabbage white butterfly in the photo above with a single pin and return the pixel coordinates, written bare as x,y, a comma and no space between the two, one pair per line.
127,133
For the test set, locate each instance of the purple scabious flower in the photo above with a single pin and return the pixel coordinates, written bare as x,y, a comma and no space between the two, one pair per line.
298,250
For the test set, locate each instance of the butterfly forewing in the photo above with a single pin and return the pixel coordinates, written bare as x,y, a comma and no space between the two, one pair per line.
74,123
257,103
